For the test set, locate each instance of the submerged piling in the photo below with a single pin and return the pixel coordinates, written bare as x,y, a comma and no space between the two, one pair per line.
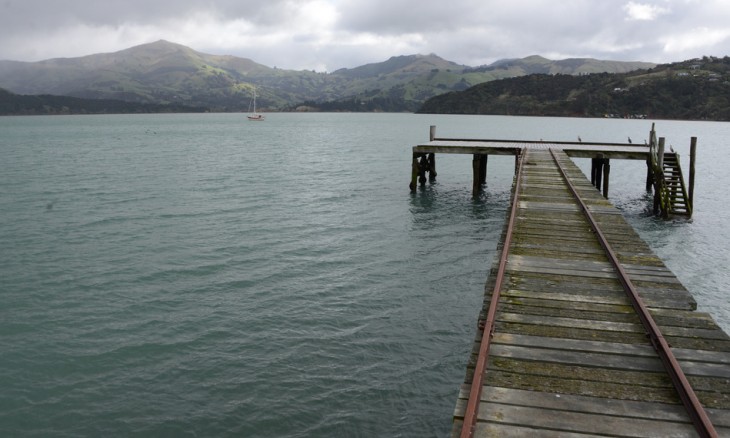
692,156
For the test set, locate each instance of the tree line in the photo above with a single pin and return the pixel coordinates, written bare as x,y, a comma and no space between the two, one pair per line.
17,104
691,90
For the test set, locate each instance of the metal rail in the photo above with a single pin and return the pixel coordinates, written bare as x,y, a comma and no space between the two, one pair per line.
699,417
475,393
691,403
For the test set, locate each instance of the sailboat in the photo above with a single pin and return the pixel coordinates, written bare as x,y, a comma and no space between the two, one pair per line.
254,116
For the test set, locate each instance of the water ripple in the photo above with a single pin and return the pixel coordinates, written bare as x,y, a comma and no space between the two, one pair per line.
221,278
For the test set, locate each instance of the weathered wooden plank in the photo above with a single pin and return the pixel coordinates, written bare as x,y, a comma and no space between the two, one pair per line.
554,229
592,405
555,253
656,299
577,333
570,322
516,261
577,403
666,297
557,249
567,311
604,209
582,422
548,206
597,298
721,419
576,380
464,148
647,270
655,279
698,343
539,342
692,368
492,430
574,289
580,358
683,318
574,237
590,307
719,357
571,242
689,332
558,271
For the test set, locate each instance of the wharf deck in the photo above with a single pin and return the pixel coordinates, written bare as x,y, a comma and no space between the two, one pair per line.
569,355
626,151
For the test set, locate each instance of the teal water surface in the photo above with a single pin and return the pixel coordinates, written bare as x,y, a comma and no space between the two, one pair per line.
201,275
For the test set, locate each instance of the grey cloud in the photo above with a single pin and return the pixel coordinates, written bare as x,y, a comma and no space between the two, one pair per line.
466,31
18,14
409,16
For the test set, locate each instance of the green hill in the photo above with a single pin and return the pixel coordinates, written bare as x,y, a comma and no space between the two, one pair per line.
695,89
167,73
161,73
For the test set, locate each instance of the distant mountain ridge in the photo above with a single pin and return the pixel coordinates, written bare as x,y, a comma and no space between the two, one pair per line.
172,74
571,66
399,64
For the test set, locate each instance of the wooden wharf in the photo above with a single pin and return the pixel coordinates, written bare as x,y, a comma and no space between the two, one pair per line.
664,174
584,331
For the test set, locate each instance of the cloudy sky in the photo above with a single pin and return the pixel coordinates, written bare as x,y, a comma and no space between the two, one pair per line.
325,35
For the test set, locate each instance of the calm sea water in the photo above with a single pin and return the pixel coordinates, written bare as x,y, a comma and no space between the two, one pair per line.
200,275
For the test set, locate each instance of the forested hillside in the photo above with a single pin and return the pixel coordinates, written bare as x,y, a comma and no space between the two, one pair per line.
14,104
696,89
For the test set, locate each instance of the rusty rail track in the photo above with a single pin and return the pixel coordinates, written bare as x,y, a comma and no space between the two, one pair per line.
472,409
692,405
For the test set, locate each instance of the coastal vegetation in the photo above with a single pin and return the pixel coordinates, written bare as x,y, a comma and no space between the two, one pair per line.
15,104
697,89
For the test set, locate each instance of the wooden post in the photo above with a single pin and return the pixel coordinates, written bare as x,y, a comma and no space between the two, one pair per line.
599,172
593,171
692,156
432,133
422,168
483,168
649,175
660,180
660,155
414,173
517,160
432,167
606,172
475,174
475,166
